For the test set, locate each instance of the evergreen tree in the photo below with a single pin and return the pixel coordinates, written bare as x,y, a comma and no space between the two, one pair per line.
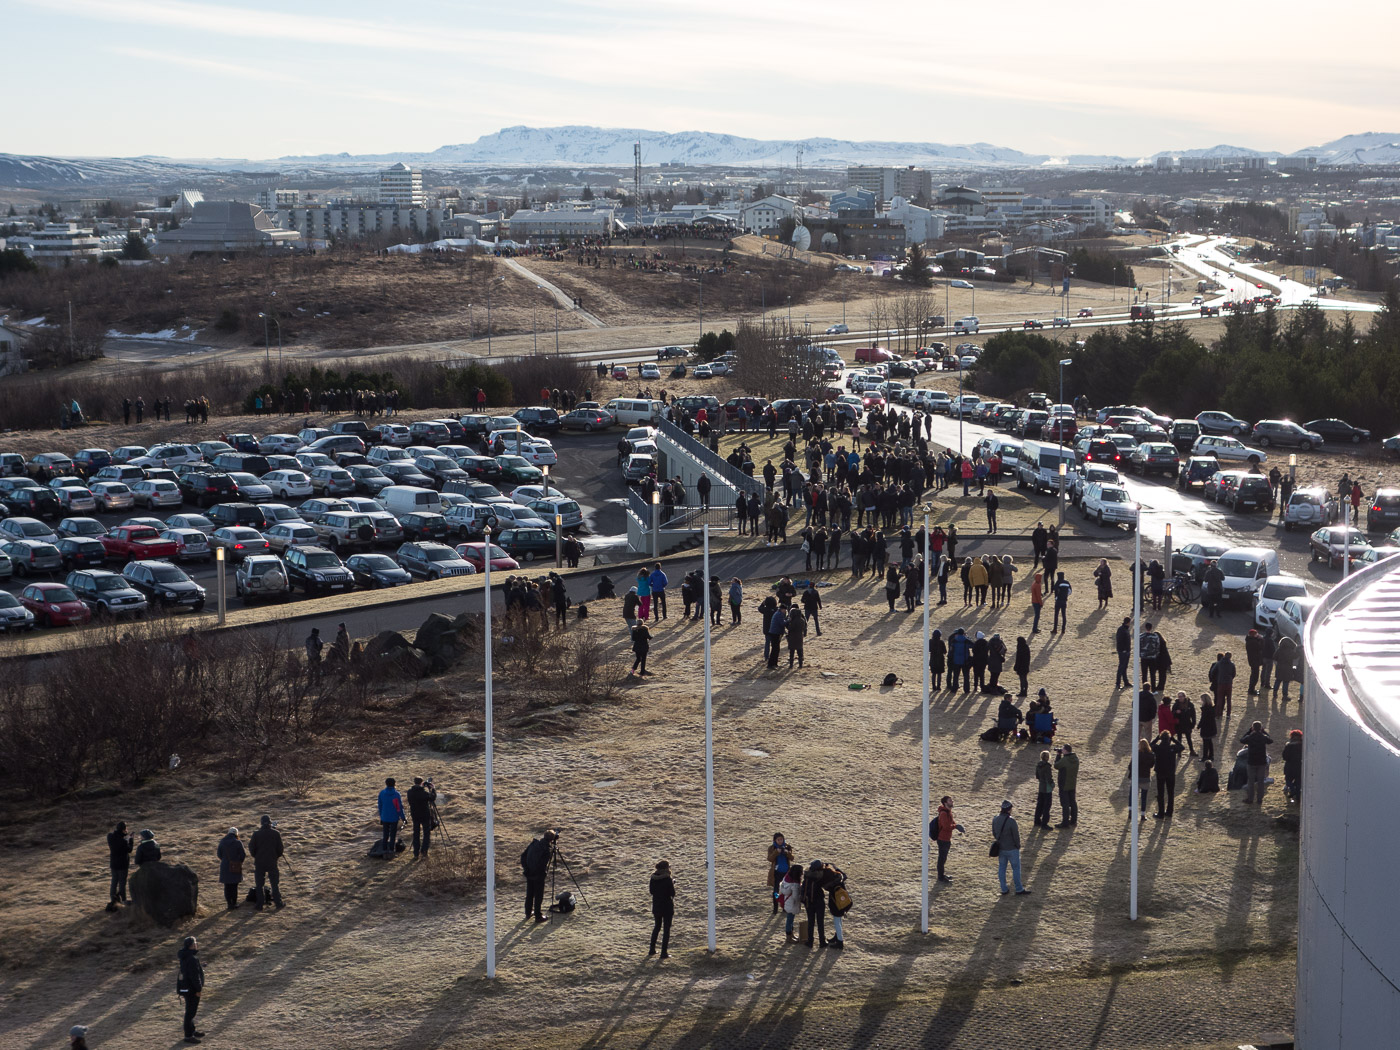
916,267
135,247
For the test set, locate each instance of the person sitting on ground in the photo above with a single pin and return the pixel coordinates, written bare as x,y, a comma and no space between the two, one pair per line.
1208,783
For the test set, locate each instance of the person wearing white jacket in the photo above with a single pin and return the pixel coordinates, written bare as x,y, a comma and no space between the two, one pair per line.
788,891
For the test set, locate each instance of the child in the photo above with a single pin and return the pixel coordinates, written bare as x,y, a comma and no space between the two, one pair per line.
1208,783
787,893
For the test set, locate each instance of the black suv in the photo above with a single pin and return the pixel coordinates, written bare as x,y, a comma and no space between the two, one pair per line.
226,514
205,488
1384,509
164,585
27,498
317,571
539,420
1253,493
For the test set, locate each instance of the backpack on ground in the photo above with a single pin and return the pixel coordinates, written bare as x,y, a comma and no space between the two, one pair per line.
890,681
564,903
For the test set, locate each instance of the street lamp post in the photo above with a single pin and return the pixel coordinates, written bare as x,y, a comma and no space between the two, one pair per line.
489,283
1060,436
556,329
544,471
267,354
558,540
471,323
655,524
223,585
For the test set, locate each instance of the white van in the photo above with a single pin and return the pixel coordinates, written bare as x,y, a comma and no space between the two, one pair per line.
631,411
1246,571
406,499
966,324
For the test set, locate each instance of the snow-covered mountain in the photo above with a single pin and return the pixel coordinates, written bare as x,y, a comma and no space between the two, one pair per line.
42,172
1369,147
1217,151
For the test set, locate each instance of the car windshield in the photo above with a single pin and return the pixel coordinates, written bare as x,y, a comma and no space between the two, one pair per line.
168,574
375,562
59,594
365,472
320,561
440,555
1390,499
110,583
144,532
8,600
1284,588
1115,496
33,528
1255,484
1238,566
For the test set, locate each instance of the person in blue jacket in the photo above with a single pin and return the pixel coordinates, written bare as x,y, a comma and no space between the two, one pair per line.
959,660
390,816
658,593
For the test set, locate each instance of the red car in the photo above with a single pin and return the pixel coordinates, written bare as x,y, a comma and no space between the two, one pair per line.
137,542
54,605
873,354
870,401
1051,431
475,553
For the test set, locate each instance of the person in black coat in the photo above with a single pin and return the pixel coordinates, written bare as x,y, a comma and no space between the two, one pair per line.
231,855
190,986
421,797
535,863
266,849
814,900
937,659
663,906
641,645
1021,664
1165,751
148,849
119,847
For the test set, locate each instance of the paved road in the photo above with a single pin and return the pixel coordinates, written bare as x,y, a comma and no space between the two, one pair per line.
560,297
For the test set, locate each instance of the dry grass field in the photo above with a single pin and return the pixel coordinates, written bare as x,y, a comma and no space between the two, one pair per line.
392,953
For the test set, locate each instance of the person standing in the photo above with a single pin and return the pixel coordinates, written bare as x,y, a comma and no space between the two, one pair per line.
643,594
231,855
1256,741
1165,751
814,901
1037,601
658,593
190,986
980,650
959,660
1007,836
789,896
796,632
1045,790
1067,766
1039,539
1293,766
1103,580
941,829
992,504
266,849
663,903
937,659
1222,680
779,861
535,863
736,602
1062,591
1285,657
1150,650
1207,727
641,645
891,587
1184,717
1021,664
390,806
314,646
1123,643
1254,656
833,880
421,797
811,606
777,628
119,847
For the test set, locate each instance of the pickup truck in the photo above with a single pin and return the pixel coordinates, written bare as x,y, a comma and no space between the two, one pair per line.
137,542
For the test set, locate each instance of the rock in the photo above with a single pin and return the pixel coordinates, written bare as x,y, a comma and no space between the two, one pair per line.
390,651
454,740
165,892
438,637
555,715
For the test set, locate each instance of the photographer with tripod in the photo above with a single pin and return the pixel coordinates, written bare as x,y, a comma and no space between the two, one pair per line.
535,861
421,810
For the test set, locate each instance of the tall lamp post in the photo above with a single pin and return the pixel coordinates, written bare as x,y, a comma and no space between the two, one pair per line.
267,357
1060,435
489,283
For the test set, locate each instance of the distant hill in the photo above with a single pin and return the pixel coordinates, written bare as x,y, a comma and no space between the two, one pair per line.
1370,147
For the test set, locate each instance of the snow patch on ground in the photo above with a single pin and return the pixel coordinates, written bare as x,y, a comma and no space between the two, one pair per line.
184,334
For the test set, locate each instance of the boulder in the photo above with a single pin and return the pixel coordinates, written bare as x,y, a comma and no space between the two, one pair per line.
438,638
389,651
165,892
454,740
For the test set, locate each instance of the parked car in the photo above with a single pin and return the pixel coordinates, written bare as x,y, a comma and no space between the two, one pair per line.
476,554
1252,492
191,521
1276,590
13,614
205,489
1155,457
90,528
239,542
261,576
190,544
164,585
158,493
1332,543
112,495
1227,448
1384,509
1183,433
89,461
26,496
12,465
32,557
376,571
1246,570
236,514
316,570
1292,617
250,488
433,561
369,480
1309,508
586,419
1285,432
1109,505
134,542
289,534
288,484
79,552
49,465
1214,422
1196,473
1338,430
526,544
55,605
282,444
106,593
27,529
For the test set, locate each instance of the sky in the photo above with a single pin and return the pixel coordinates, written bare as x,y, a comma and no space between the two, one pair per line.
259,80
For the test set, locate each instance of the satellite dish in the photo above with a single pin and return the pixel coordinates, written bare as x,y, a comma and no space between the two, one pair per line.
801,238
830,242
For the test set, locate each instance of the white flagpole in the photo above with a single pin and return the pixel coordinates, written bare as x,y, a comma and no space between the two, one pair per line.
709,758
490,782
1134,808
923,833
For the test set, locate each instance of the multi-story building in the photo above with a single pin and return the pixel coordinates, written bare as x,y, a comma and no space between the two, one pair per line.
353,221
887,183
1002,197
763,215
921,225
58,243
271,199
560,223
401,186
225,228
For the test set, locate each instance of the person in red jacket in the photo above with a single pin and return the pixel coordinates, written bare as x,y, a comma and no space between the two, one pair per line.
941,831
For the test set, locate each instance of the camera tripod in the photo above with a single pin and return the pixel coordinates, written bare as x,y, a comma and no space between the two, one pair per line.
557,858
438,826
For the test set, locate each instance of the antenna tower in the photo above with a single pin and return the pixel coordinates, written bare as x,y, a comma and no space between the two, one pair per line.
637,173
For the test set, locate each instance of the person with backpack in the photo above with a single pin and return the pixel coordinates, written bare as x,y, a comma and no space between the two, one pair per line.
789,894
1062,590
960,660
1150,650
1006,844
736,601
663,906
390,807
779,861
534,862
941,830
814,901
641,645
838,899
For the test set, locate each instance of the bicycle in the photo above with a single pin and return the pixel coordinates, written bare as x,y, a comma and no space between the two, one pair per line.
1182,589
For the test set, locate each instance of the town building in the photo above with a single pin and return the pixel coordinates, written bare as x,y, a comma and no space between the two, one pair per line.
270,199
921,225
223,228
765,215
350,221
559,223
61,243
887,183
402,186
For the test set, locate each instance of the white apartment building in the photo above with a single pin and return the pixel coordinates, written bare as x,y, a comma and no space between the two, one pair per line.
61,242
559,222
888,183
767,213
270,199
359,220
401,186
999,198
921,225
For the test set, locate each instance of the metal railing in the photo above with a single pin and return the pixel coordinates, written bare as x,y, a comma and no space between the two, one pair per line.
714,464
